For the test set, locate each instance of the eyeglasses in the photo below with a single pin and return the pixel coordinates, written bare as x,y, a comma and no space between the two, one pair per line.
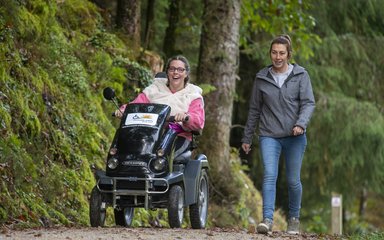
179,69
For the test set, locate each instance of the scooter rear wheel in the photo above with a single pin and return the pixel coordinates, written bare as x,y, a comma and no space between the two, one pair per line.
198,212
124,217
97,208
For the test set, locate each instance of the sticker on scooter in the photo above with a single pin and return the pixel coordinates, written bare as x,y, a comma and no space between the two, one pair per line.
141,119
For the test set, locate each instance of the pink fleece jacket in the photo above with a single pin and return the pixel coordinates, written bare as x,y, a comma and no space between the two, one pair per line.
195,111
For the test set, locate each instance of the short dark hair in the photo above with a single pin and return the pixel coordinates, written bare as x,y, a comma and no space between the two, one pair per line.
283,39
186,63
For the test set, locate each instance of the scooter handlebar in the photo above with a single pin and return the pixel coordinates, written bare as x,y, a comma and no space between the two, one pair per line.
172,119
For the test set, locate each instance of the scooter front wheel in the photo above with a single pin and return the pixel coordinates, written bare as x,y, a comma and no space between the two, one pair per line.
97,208
176,206
124,217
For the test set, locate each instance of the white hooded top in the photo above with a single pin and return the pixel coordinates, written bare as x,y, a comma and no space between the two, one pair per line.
159,92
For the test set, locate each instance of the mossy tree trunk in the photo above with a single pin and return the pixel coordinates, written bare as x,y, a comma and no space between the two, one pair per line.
149,23
218,63
128,20
170,38
101,4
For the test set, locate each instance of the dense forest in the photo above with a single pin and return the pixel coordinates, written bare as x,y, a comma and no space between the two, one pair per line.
55,127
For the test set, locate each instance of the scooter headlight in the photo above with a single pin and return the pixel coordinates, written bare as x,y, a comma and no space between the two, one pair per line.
158,165
112,163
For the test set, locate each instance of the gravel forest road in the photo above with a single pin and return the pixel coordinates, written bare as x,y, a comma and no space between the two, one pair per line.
119,233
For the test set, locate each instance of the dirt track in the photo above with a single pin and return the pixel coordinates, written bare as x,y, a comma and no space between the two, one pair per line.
114,233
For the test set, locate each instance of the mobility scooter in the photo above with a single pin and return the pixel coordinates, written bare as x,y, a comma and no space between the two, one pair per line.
142,171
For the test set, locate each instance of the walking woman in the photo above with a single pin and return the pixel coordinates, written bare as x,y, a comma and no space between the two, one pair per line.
281,106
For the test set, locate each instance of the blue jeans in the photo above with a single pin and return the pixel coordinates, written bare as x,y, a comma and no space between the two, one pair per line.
293,149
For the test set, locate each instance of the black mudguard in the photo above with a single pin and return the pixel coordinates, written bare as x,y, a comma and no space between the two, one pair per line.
192,176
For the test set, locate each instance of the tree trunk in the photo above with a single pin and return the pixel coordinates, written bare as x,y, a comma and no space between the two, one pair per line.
170,35
363,203
218,63
149,23
128,20
101,4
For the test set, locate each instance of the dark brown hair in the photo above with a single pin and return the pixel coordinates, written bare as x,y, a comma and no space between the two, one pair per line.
186,63
283,39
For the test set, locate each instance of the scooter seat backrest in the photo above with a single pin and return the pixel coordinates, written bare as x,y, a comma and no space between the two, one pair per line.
161,75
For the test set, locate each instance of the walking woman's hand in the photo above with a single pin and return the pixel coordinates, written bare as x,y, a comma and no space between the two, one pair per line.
297,130
246,147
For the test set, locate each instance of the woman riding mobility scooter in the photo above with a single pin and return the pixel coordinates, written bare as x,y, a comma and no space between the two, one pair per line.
142,171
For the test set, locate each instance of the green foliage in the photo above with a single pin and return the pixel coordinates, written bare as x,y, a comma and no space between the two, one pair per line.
207,88
137,77
346,132
151,218
54,125
316,224
360,228
262,20
29,17
349,65
81,16
30,25
346,140
364,18
135,72
367,236
64,66
5,110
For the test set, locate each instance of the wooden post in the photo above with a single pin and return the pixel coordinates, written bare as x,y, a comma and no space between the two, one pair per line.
337,216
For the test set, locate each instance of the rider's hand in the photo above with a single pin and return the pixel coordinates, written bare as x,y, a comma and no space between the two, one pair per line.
181,117
246,147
